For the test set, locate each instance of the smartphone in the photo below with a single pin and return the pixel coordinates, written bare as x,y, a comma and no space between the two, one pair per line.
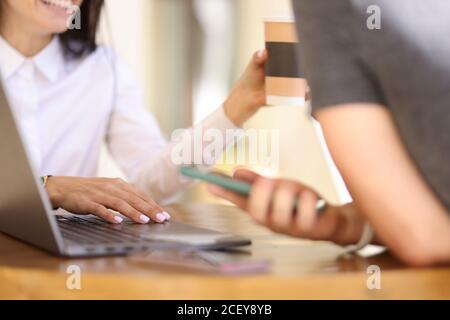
214,178
229,183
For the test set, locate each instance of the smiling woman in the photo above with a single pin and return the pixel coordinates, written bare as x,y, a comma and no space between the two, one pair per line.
52,17
72,97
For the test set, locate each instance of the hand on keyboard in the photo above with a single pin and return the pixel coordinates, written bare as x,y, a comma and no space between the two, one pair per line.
98,196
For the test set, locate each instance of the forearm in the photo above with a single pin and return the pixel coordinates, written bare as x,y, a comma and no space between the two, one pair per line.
406,215
202,145
154,167
352,222
385,185
421,239
417,244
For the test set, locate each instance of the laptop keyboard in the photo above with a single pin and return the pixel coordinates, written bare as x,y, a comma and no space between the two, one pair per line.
93,231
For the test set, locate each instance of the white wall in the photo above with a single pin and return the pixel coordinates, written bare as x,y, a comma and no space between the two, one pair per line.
131,34
127,28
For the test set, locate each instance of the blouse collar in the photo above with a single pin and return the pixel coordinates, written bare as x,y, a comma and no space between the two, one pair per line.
49,61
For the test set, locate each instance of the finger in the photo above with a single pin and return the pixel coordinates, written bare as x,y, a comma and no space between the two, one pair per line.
145,204
131,189
306,214
260,57
103,213
238,200
282,215
142,203
245,175
261,199
122,207
149,208
257,61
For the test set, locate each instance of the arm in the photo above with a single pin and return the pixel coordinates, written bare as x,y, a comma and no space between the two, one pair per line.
385,184
138,146
387,189
149,162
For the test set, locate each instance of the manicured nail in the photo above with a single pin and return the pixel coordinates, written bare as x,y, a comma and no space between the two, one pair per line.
118,219
261,53
144,219
168,216
161,217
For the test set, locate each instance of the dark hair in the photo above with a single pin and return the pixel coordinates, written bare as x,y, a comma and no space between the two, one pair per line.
78,42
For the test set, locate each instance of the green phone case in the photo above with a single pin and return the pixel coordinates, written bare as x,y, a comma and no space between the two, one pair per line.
225,182
233,185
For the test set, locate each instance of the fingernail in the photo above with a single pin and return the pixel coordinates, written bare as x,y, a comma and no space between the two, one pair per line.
144,219
168,216
161,217
261,53
118,219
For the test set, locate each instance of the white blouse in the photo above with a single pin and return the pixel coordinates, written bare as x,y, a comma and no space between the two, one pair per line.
67,109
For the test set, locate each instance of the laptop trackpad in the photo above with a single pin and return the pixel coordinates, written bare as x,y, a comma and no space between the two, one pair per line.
176,232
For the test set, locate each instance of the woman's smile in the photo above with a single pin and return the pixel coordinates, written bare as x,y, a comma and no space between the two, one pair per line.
58,7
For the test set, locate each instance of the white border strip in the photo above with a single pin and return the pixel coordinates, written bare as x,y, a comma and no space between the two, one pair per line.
285,101
286,18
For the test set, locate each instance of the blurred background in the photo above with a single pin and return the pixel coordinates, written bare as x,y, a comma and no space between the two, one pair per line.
188,53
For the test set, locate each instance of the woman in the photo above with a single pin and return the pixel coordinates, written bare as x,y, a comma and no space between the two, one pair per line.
70,96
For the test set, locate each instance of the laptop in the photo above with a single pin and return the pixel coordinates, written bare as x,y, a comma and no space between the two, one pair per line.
26,213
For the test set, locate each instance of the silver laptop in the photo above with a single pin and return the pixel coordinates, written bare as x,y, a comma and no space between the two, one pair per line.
26,214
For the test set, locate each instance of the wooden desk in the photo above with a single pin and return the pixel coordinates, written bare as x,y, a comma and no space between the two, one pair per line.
301,269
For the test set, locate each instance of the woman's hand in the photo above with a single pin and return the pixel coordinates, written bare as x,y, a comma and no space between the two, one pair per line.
99,196
272,201
249,94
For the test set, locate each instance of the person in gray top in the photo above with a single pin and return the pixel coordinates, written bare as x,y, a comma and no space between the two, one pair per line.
379,72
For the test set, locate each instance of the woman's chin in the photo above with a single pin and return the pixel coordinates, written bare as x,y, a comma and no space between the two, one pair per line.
55,28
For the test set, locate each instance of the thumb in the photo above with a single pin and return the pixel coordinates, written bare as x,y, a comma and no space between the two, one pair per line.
260,57
245,175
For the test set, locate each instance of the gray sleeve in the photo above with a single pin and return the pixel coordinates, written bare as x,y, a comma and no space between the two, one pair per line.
329,56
